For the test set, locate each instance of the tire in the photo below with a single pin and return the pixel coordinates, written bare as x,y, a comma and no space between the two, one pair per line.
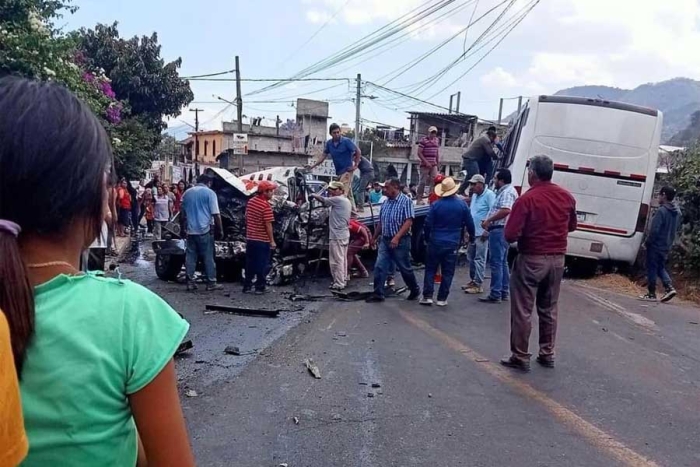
168,267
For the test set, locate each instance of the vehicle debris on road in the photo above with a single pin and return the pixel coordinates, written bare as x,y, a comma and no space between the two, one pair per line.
191,393
239,310
313,368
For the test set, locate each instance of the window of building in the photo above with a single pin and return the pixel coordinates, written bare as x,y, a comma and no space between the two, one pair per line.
196,149
206,146
213,148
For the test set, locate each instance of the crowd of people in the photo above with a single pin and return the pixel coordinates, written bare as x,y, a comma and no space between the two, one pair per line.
87,361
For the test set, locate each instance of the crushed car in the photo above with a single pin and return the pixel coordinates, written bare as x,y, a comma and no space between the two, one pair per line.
300,227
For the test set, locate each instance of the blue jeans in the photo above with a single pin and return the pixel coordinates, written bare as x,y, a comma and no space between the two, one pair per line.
360,190
476,255
500,274
445,256
200,246
472,168
486,169
656,267
401,257
257,262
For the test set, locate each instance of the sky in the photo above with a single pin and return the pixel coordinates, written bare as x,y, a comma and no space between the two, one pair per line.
558,44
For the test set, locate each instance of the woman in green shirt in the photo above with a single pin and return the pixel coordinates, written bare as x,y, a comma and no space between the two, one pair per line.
94,355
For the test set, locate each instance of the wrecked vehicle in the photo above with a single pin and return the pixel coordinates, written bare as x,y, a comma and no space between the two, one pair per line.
300,227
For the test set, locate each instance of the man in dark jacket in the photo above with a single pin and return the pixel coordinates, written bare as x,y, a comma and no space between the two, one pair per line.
663,231
447,220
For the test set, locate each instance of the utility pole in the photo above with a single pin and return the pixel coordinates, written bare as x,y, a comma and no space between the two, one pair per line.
459,96
239,109
358,99
520,103
500,111
451,98
196,132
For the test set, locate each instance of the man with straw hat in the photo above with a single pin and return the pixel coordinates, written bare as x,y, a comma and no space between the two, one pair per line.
444,228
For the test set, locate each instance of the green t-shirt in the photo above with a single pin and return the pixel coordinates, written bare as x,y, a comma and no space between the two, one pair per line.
96,342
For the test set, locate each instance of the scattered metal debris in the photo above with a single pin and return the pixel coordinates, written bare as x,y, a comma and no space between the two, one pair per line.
693,322
336,417
296,420
341,334
430,395
481,360
239,310
232,350
376,385
184,347
370,394
604,329
351,296
307,298
313,368
191,393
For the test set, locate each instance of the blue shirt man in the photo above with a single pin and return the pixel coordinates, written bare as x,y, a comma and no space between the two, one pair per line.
447,219
342,152
482,201
394,241
199,206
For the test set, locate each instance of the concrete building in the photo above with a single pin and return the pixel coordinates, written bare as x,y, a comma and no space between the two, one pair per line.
286,144
206,146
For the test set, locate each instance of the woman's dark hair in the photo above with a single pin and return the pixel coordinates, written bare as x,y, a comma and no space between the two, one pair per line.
53,145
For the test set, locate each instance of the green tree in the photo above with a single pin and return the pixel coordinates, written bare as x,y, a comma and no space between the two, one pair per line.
684,176
139,76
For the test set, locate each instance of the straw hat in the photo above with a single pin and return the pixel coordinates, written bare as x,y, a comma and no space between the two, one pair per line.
336,186
447,187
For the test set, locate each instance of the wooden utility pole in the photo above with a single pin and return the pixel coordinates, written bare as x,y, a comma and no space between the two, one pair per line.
358,98
196,132
500,111
239,109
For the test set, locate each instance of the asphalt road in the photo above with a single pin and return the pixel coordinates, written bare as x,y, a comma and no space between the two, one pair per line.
625,390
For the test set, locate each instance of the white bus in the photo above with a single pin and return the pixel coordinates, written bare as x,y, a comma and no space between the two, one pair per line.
605,154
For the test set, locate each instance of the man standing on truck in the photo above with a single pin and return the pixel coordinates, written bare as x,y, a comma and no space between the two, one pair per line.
393,233
338,233
366,176
482,200
428,153
494,224
346,159
664,228
259,238
540,222
199,206
479,156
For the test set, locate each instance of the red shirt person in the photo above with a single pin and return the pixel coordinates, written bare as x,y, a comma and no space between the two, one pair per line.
359,240
540,222
260,239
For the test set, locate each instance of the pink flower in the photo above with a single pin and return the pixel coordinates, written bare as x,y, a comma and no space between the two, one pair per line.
114,113
88,77
107,90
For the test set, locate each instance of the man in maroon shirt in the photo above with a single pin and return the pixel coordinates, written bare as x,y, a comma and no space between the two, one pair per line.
540,222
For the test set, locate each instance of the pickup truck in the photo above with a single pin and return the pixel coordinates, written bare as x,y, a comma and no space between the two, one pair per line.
300,227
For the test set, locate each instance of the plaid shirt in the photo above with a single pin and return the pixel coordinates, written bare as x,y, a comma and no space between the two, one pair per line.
394,213
505,198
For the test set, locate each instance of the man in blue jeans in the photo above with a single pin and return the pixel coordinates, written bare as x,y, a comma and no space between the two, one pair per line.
444,227
482,200
662,234
199,205
392,233
498,246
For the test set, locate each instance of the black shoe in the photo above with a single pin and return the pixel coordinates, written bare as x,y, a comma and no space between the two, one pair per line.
489,299
668,296
374,299
546,362
212,287
516,364
413,295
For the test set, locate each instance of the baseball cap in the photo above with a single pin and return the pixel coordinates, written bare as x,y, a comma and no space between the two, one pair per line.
431,129
477,179
336,185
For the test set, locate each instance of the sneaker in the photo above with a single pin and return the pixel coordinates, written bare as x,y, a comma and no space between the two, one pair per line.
474,290
426,301
413,295
391,282
668,296
441,303
437,279
374,299
648,298
516,364
505,298
469,285
337,288
212,287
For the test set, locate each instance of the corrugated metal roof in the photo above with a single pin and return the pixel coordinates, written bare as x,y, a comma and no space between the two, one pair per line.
443,115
